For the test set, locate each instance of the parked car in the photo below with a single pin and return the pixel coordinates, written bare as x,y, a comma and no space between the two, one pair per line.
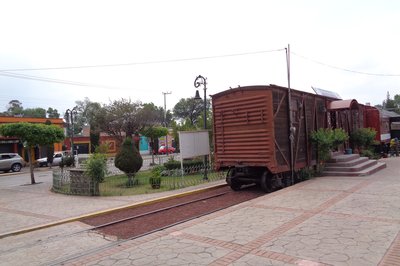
58,155
11,162
163,150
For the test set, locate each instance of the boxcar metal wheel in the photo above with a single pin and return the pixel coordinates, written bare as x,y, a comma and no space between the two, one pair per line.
266,182
232,182
235,185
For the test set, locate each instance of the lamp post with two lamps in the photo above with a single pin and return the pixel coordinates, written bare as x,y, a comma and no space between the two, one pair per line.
69,113
200,80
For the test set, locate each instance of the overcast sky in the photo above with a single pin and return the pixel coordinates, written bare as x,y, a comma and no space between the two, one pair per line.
139,49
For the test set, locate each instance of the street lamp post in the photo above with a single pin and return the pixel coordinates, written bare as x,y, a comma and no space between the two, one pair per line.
165,120
70,119
200,80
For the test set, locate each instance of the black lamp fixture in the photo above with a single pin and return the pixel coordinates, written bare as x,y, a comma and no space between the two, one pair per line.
197,97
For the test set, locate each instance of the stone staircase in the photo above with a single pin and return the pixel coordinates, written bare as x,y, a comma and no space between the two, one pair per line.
351,165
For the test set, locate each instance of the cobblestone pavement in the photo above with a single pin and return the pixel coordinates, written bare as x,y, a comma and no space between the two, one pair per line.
323,221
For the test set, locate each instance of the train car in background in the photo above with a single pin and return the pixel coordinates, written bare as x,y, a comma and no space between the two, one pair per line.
391,122
378,120
259,140
395,127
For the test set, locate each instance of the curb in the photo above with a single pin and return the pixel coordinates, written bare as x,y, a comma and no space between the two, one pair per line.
134,205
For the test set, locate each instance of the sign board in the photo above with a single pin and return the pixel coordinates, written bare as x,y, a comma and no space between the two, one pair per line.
193,143
395,126
9,141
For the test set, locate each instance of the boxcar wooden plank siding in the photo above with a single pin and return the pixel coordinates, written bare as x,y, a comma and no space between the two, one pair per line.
251,127
244,128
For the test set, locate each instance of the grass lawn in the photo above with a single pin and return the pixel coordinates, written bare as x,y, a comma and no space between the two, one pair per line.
116,185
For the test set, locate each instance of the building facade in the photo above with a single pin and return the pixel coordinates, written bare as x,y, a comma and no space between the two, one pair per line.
13,144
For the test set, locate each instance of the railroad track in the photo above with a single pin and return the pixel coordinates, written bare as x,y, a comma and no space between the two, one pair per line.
128,224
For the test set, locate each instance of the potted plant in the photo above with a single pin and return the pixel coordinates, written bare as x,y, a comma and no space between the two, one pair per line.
155,182
362,139
155,179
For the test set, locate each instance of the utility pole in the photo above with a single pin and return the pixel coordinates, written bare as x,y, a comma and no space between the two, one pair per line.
165,119
292,129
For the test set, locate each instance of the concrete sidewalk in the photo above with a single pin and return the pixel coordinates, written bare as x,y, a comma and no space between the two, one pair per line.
23,205
323,221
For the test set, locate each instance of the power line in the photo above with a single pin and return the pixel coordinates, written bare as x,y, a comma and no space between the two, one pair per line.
59,81
345,69
145,62
7,72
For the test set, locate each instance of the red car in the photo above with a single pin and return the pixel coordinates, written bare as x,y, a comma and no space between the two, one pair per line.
163,150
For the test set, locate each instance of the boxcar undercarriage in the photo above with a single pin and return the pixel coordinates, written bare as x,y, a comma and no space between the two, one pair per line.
243,175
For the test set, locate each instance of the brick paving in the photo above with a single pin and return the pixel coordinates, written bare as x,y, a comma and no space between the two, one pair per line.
323,221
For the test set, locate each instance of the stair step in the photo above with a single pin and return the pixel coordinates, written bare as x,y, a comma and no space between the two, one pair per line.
348,163
367,171
352,167
344,158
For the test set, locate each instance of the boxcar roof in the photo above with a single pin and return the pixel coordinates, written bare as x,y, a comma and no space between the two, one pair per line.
263,87
343,104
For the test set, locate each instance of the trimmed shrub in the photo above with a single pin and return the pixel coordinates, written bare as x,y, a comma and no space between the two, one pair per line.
156,171
128,160
96,167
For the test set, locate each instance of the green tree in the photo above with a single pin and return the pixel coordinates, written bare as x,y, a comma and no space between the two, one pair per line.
87,115
34,112
190,109
32,135
52,113
14,108
124,118
154,133
121,118
128,160
152,114
92,114
392,104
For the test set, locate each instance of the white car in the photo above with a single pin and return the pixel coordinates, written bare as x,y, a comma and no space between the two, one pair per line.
58,155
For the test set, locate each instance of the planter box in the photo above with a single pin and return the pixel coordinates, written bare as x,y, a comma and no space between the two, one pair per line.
82,184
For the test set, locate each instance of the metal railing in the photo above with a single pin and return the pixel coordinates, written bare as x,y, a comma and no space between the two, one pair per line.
74,181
